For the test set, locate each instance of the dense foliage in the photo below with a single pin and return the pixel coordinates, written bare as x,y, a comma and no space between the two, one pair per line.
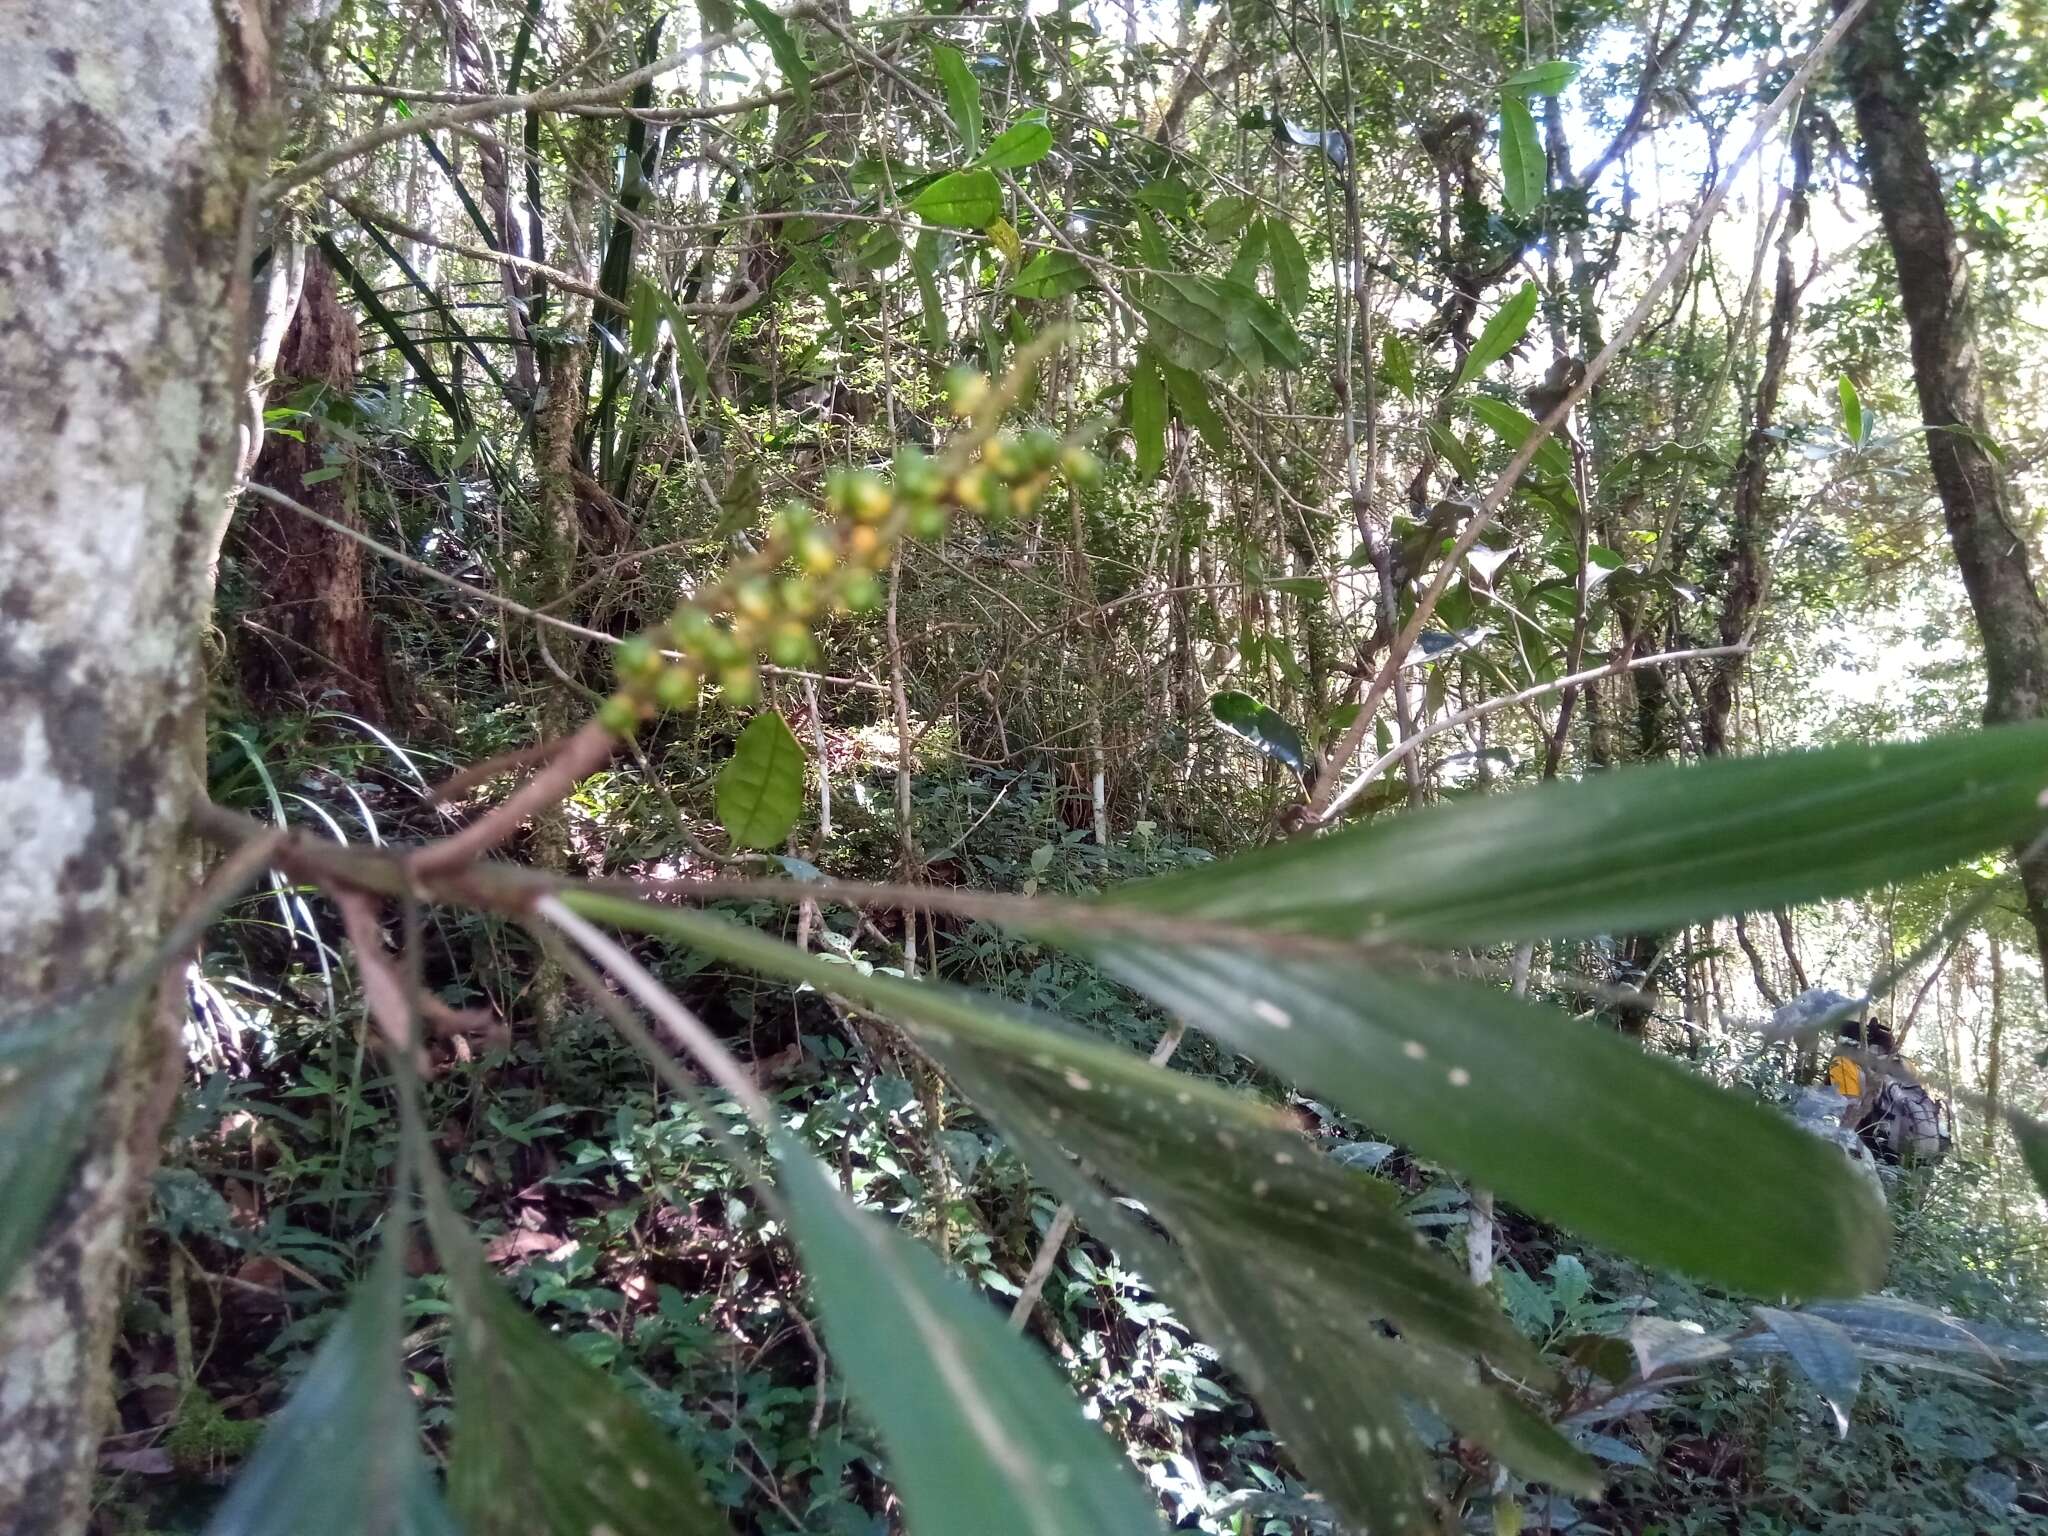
1203,675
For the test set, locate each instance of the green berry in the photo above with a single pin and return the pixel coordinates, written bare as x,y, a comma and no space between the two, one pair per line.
619,715
790,645
860,591
928,521
741,684
676,689
637,660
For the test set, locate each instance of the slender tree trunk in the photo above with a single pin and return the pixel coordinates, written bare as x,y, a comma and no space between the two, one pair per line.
1994,1061
129,135
1934,288
311,631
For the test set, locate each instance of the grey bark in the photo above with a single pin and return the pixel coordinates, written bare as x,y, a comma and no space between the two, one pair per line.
130,133
1934,289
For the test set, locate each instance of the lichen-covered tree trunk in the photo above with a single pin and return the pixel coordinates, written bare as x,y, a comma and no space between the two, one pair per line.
1934,288
129,134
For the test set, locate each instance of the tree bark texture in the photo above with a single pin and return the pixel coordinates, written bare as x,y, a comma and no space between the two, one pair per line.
1934,290
308,629
130,132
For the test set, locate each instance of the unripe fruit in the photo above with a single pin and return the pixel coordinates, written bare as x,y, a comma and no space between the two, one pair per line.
619,715
741,684
794,519
967,391
816,553
754,598
790,645
871,501
637,660
860,591
1081,466
676,689
799,596
928,520
689,628
1000,455
916,475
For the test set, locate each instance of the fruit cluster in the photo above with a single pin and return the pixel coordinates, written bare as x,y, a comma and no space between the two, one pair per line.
817,561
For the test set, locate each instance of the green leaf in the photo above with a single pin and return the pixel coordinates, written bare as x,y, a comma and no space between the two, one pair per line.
1224,216
1857,419
982,1433
796,74
1251,254
1503,330
1147,400
1152,246
963,95
963,199
1824,1354
1397,364
51,1068
1209,324
1545,79
1282,1258
1523,170
1641,848
1269,731
1566,1120
342,1457
924,265
761,788
1452,450
1288,265
1191,401
1025,142
1052,275
646,318
545,1442
1512,425
2032,1136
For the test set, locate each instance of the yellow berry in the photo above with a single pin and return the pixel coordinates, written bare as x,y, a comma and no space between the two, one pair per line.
754,598
619,715
864,545
741,684
871,501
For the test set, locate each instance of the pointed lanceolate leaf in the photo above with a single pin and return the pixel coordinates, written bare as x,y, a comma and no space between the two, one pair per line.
1283,1260
1147,401
1564,1119
51,1068
962,199
963,95
1288,264
982,1434
342,1457
1504,328
546,1444
761,788
1523,169
1640,848
796,74
1824,1354
1269,731
1192,404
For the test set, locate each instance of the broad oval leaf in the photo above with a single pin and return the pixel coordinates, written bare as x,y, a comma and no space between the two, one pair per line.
982,1433
1025,142
1640,848
1523,169
1545,79
963,94
1512,425
1191,402
1825,1355
51,1068
1269,731
761,788
342,1457
1504,328
1288,264
1052,275
964,199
